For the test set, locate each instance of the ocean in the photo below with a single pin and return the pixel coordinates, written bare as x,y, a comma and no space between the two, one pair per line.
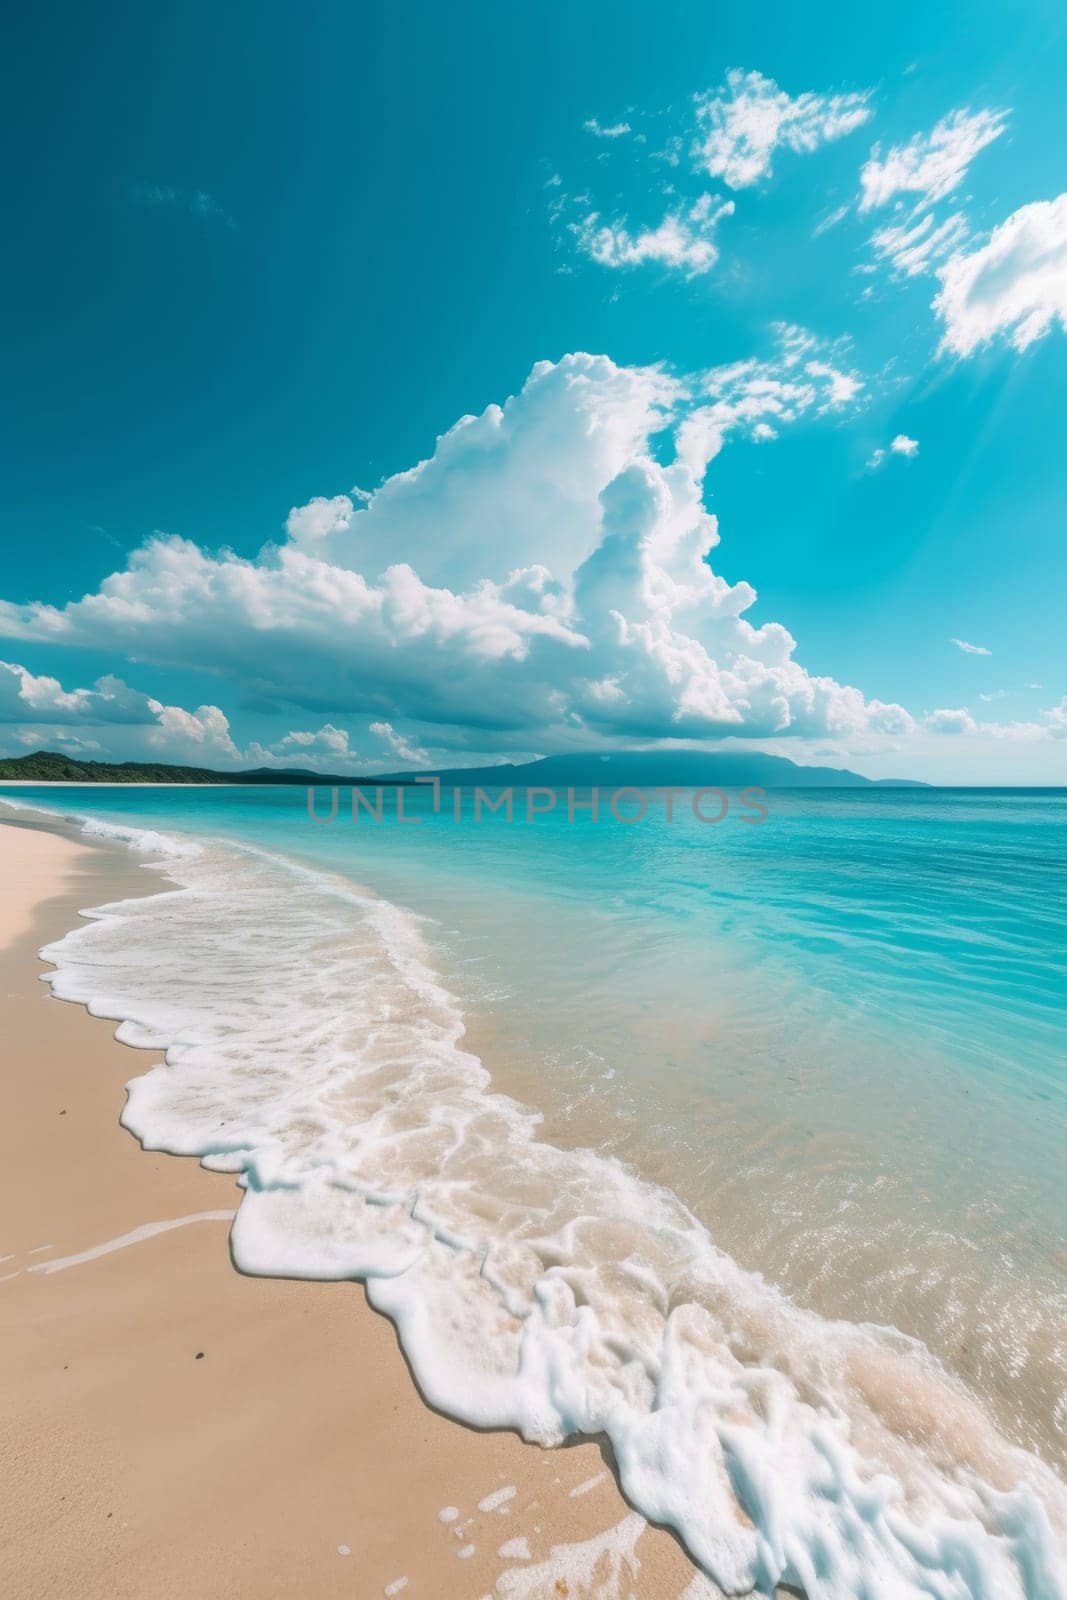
740,1143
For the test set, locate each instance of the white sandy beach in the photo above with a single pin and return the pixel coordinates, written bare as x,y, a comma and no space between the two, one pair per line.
172,1428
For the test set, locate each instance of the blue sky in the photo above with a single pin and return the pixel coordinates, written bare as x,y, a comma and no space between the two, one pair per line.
267,256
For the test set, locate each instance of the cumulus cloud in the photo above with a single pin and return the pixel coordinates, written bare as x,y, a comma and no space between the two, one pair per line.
543,577
899,445
321,516
405,750
26,697
747,119
319,748
326,739
931,165
170,731
683,240
949,720
959,721
516,485
40,711
197,737
1014,286
970,649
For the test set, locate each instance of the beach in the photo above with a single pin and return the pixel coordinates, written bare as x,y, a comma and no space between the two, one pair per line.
467,1147
533,806
175,1428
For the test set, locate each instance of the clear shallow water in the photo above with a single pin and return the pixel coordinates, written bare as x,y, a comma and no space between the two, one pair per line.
838,1037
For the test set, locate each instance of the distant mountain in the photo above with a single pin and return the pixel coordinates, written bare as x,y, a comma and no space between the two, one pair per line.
679,769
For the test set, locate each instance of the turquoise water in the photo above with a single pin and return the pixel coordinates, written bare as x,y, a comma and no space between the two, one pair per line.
943,912
838,1035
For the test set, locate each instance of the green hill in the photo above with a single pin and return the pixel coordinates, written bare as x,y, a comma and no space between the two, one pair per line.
47,766
642,768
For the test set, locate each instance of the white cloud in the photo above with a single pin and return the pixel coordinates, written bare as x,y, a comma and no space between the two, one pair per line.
924,171
320,517
931,165
756,398
171,730
899,445
405,750
615,131
1015,285
327,739
672,151
37,737
519,482
970,649
948,720
740,125
684,239
843,387
541,579
322,748
25,697
198,737
830,221
42,712
915,246
747,119
959,721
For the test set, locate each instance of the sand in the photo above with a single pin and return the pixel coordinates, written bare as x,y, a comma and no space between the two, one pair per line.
173,1428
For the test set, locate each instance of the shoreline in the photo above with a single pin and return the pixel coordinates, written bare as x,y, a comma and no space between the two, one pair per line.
175,1428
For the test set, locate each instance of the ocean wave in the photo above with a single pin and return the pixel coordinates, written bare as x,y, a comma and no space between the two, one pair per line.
311,1049
147,841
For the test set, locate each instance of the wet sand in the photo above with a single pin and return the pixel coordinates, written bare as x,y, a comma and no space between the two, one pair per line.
173,1428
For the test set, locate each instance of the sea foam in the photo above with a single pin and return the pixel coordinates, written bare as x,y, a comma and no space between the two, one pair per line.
312,1050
